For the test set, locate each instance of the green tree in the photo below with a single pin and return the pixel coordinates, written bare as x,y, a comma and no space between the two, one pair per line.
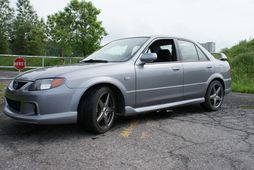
6,16
59,34
28,31
76,30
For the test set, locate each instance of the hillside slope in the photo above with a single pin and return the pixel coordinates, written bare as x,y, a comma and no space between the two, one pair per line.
241,59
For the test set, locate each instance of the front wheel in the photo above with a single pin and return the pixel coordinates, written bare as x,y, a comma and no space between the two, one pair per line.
214,96
97,110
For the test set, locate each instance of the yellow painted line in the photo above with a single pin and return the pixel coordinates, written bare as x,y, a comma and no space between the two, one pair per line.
145,135
128,131
149,123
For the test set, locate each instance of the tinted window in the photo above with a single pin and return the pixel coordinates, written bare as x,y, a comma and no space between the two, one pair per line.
165,50
202,56
188,51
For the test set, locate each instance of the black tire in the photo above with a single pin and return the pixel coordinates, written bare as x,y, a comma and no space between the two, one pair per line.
93,114
214,96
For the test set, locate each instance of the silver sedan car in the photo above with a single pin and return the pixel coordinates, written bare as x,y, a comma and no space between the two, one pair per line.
125,77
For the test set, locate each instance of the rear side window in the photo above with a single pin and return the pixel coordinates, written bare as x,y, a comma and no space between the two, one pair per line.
202,56
188,51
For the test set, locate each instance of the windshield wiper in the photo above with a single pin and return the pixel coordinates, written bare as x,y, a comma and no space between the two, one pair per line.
94,61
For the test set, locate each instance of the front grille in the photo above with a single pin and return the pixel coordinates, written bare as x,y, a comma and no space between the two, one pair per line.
18,84
13,104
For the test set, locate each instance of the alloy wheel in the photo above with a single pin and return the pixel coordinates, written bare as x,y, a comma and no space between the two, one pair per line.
216,95
105,110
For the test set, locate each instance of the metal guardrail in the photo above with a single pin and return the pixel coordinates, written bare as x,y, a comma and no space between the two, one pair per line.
42,58
5,78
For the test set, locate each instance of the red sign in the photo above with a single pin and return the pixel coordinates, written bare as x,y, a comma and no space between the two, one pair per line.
19,63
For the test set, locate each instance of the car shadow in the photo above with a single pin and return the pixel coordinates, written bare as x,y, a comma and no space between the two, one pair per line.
164,114
17,130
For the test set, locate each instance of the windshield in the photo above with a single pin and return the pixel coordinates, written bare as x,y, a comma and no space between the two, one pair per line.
117,51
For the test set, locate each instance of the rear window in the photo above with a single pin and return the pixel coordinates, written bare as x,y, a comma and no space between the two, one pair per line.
188,51
202,56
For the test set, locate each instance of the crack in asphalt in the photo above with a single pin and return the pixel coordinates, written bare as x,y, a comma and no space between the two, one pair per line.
186,138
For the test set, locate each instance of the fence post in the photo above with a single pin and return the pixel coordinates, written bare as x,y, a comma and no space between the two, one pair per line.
19,69
42,61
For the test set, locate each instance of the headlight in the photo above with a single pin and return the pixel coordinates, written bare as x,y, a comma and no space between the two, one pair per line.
44,84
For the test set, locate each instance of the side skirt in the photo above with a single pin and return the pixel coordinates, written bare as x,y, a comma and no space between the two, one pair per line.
133,111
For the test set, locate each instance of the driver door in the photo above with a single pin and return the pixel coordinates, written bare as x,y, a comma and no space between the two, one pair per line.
161,81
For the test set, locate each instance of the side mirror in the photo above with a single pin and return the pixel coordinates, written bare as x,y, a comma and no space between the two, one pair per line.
221,56
148,57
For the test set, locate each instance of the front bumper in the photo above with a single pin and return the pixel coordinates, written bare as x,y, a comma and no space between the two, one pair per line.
54,106
55,118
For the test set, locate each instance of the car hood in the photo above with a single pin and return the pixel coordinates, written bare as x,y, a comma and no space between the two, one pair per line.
58,71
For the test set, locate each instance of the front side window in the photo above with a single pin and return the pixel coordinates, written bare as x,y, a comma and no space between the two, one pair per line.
117,51
165,50
188,51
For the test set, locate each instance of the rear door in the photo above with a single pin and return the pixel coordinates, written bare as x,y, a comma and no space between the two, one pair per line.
197,69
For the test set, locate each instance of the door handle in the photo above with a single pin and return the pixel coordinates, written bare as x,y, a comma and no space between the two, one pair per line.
209,66
175,68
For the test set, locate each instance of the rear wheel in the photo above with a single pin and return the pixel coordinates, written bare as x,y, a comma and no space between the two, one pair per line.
97,110
214,96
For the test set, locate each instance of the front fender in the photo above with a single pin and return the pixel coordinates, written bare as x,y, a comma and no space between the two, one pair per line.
100,80
129,98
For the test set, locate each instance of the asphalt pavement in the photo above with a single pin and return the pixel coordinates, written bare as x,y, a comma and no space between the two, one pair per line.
185,138
5,74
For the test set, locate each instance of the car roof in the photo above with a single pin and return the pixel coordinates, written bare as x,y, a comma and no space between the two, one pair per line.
157,36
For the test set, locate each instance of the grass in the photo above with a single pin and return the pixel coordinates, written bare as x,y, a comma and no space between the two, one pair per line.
37,62
243,72
241,60
2,89
242,83
247,107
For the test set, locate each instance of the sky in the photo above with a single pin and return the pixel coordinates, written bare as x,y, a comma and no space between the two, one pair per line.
225,22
